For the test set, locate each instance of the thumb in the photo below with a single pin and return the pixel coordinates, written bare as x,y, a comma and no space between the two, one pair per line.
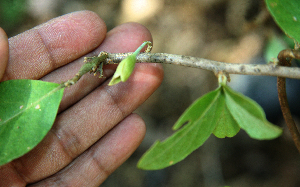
3,52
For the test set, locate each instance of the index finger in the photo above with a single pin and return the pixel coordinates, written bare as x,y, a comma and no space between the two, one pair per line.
36,52
3,51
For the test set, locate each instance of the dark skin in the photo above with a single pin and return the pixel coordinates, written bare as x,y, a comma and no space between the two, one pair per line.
95,130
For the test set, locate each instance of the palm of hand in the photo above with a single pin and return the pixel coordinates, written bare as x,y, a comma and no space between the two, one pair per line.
95,130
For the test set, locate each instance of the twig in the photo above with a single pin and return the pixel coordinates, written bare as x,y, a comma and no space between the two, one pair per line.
95,64
92,65
285,58
215,66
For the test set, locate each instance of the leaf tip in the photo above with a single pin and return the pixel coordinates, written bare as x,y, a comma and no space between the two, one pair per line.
180,124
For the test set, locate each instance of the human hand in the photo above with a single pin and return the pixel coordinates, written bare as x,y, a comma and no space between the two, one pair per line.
95,130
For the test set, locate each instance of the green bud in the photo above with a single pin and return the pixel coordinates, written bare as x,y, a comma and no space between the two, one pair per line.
124,70
126,66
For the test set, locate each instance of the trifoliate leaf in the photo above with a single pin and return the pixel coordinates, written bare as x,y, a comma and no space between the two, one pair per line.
222,112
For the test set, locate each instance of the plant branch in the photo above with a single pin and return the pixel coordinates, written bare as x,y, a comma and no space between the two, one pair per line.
285,58
95,64
215,66
92,65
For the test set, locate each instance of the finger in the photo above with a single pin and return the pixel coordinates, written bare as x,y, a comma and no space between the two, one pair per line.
44,48
93,166
124,38
3,51
85,122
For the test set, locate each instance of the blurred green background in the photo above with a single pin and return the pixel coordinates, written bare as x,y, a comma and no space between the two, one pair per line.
223,30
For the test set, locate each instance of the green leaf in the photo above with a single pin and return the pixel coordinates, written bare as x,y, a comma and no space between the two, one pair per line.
250,116
200,120
286,13
27,111
226,125
221,112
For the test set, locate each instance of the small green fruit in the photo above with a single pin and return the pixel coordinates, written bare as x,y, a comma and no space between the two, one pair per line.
124,70
126,66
